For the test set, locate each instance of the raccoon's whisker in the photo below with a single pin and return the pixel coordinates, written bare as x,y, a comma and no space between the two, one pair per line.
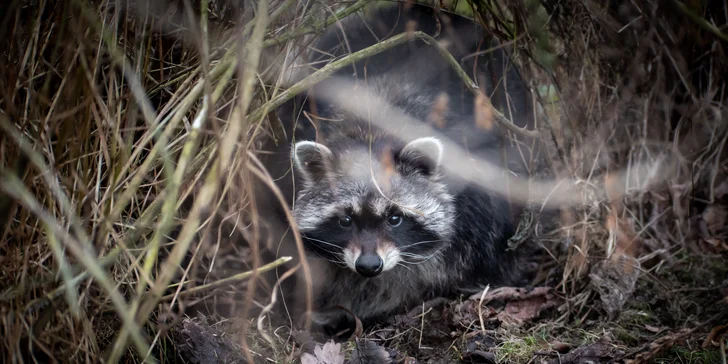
404,266
338,262
322,242
415,256
336,254
420,242
422,257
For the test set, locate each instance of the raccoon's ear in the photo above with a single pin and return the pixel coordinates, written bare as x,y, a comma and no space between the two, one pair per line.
312,160
421,155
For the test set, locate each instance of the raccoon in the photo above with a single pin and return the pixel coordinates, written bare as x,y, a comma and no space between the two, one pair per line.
384,225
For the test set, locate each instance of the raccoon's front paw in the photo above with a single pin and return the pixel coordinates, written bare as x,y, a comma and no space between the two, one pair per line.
333,324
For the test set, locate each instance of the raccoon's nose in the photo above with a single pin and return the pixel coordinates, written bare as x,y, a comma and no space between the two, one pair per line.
369,265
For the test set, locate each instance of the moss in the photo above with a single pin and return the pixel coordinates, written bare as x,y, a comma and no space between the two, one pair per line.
639,317
683,355
518,350
626,336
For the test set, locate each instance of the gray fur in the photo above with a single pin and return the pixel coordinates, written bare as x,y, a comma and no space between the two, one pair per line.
357,174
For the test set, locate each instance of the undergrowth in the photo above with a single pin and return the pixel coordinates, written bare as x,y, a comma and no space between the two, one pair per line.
130,132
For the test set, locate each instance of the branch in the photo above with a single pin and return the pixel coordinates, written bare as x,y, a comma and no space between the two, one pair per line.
402,38
229,280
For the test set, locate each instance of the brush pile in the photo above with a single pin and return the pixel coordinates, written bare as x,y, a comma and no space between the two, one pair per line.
129,145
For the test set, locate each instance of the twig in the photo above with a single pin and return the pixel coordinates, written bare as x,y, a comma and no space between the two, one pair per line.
13,186
382,46
107,260
480,307
318,26
226,281
680,336
700,21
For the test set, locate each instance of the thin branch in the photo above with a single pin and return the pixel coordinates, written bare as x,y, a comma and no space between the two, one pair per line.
227,281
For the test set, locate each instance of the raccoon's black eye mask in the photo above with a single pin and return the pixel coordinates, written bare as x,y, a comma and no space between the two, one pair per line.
394,220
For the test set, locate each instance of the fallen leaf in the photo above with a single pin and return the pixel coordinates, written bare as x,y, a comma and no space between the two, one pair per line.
615,190
715,333
560,347
658,346
522,311
410,360
601,351
614,283
721,190
511,293
716,218
714,246
307,358
521,305
652,329
305,340
330,353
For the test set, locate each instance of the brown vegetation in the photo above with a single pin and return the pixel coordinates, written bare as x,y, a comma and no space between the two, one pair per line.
130,131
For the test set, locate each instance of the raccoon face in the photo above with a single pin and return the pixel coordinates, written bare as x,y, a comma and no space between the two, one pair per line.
372,207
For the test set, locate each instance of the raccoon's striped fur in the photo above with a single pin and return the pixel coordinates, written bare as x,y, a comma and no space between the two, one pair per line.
384,227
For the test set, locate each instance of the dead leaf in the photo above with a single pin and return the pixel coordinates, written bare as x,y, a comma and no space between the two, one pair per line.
466,312
614,283
521,305
330,353
721,190
522,311
305,340
511,293
615,191
658,346
716,218
483,112
410,360
307,358
717,332
623,240
714,246
560,347
601,351
652,329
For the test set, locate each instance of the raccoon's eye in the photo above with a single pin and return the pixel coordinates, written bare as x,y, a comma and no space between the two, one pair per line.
345,221
394,220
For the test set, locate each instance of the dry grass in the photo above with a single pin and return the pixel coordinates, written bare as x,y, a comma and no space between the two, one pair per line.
130,130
